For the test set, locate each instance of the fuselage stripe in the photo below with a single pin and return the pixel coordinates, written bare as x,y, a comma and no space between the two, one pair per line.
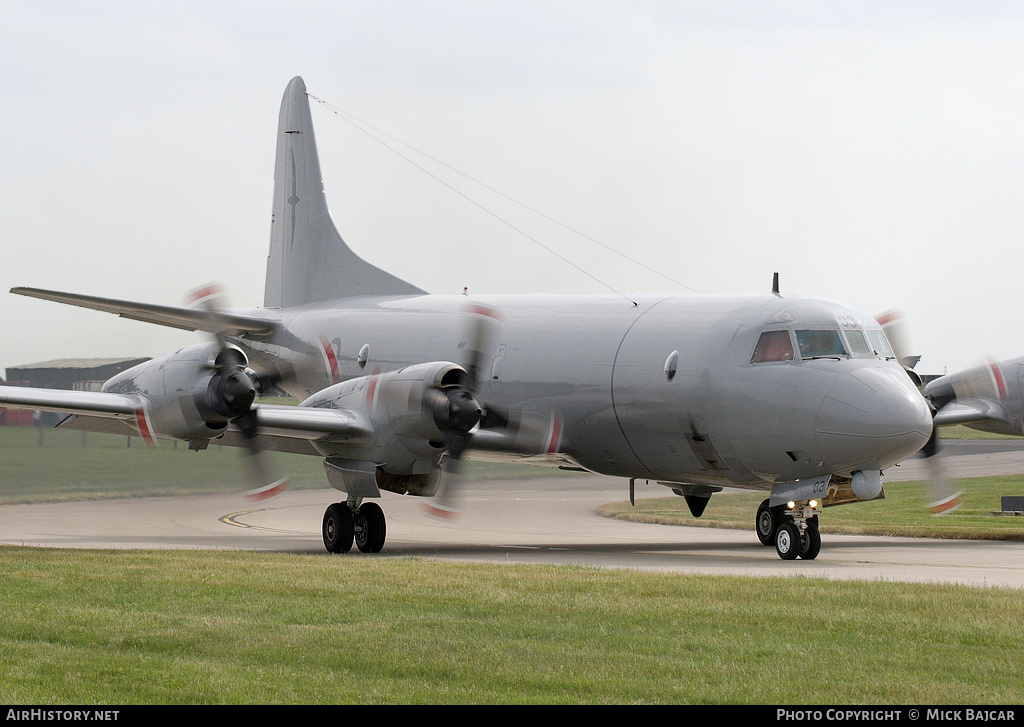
556,433
142,419
332,360
997,374
371,391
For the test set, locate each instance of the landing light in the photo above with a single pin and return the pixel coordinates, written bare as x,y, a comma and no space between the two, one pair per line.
813,504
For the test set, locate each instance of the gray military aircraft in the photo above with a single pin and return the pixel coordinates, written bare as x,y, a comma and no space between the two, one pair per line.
800,397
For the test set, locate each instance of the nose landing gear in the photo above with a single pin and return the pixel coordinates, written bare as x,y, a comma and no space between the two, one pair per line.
792,528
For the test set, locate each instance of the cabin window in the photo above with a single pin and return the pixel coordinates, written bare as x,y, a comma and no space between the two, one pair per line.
880,343
858,341
817,343
671,364
773,346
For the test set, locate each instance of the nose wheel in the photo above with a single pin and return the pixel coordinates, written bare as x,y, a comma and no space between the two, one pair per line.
793,530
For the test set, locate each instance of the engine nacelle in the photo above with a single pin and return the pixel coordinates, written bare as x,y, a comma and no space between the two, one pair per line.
413,411
193,393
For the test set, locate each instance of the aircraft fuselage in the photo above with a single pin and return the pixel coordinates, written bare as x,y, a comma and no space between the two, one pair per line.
664,390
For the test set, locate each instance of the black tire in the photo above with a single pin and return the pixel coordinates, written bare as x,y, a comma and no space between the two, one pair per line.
338,528
810,543
787,541
370,528
766,522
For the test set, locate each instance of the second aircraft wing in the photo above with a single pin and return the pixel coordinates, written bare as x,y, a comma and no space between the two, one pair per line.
189,319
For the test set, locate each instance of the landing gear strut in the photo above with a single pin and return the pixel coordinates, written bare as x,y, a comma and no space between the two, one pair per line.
792,528
346,523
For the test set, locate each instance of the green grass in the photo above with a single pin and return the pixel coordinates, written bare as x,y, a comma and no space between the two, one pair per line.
205,627
962,431
212,627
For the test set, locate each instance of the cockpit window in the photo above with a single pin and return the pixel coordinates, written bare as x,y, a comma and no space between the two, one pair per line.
858,341
880,343
773,346
816,343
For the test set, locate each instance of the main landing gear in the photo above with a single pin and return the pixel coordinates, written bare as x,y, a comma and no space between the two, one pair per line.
792,528
348,522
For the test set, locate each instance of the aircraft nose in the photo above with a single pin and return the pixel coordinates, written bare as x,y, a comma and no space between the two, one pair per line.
872,417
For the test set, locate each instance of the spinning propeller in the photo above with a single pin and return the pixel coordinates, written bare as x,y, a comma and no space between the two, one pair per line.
462,416
461,411
233,390
943,498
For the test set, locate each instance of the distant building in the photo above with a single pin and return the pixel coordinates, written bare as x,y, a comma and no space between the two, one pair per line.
16,418
78,374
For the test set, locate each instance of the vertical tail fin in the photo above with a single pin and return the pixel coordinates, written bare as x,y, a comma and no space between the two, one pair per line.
308,261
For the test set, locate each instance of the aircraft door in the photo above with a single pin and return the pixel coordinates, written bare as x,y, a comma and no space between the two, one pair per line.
674,371
494,373
657,384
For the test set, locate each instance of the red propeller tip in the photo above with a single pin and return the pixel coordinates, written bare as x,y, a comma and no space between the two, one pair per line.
945,505
266,492
439,512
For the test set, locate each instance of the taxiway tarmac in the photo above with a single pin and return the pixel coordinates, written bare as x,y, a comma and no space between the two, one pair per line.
532,521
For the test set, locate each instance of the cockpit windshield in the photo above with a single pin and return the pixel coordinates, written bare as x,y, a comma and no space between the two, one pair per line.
815,343
818,343
880,343
858,341
773,346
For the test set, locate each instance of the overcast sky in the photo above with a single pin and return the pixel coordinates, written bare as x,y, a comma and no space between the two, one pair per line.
870,152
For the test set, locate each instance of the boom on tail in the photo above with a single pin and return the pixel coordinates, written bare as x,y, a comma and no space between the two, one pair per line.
308,260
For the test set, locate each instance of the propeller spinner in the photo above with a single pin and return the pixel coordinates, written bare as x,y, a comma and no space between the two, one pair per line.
464,412
233,391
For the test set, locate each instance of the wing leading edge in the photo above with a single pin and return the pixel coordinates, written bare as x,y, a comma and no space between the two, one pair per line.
274,420
975,412
188,319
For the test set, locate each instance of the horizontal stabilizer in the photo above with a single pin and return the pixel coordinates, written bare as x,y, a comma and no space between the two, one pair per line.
189,319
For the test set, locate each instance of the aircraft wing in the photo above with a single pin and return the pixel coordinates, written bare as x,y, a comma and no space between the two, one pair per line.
970,411
303,422
189,319
94,403
94,411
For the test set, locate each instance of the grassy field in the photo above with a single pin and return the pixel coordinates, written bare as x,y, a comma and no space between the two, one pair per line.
208,627
130,627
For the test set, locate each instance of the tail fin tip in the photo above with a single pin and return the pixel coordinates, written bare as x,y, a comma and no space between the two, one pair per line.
309,261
